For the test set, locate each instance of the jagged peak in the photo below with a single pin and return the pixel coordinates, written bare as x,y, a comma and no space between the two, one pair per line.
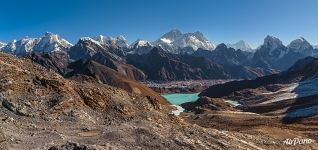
241,44
108,40
198,33
270,38
55,38
88,39
175,30
120,37
174,33
2,44
300,39
221,46
272,42
140,43
175,40
49,34
300,44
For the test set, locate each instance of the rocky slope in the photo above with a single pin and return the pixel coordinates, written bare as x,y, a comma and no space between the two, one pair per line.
291,94
57,61
303,69
42,110
110,77
160,65
282,105
90,49
235,62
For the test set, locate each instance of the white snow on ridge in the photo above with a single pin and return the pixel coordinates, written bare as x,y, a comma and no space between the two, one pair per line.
242,45
91,40
119,41
140,43
295,90
168,41
20,47
300,44
282,94
175,40
51,42
48,43
2,45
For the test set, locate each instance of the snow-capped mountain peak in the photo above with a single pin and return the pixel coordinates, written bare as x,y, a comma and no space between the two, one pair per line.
2,45
91,40
101,39
140,43
20,47
272,43
140,47
173,34
300,44
175,40
52,42
119,41
49,42
122,42
242,45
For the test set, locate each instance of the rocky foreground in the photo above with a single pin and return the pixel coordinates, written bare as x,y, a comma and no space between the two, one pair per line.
40,109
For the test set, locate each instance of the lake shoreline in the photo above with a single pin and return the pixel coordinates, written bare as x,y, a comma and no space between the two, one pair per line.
180,98
189,87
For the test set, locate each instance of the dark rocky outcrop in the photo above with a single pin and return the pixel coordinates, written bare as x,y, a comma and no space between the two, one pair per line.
204,104
160,65
57,61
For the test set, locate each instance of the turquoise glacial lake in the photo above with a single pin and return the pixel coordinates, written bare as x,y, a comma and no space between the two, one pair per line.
179,98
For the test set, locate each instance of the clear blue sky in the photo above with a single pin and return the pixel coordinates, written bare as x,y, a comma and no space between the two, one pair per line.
220,20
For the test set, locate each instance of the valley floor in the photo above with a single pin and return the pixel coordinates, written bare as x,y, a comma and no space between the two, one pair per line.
190,86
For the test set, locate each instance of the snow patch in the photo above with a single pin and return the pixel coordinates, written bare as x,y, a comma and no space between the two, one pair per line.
295,90
168,41
178,111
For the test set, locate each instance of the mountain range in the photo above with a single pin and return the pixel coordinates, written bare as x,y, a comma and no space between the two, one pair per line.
174,56
48,43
